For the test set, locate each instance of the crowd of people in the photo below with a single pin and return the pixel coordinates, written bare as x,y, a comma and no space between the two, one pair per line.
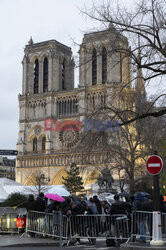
80,205
75,205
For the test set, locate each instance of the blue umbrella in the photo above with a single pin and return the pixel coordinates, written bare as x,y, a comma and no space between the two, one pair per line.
141,194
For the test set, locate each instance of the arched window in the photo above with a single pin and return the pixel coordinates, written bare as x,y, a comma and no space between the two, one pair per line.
35,144
36,76
43,143
45,75
63,75
104,65
94,67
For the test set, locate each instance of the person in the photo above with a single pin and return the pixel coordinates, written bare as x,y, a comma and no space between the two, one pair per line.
97,203
104,221
141,204
30,203
40,204
117,221
53,206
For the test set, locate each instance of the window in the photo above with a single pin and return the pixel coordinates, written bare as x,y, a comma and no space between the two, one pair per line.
35,144
36,76
104,65
63,75
43,143
45,75
94,67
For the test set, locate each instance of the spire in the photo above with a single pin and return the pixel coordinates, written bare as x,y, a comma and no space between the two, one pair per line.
30,42
140,84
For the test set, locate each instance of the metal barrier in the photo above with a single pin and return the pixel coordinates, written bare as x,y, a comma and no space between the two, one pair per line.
141,224
12,220
48,224
92,227
99,226
163,225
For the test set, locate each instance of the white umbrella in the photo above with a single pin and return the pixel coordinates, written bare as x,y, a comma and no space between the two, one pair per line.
58,190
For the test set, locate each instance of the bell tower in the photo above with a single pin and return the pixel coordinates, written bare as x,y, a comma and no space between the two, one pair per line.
47,67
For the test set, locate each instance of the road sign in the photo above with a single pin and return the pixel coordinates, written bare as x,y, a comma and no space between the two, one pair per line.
8,152
154,165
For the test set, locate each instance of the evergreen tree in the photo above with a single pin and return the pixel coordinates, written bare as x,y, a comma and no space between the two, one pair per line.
73,182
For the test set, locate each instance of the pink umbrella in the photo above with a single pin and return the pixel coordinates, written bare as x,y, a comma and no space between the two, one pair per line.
55,197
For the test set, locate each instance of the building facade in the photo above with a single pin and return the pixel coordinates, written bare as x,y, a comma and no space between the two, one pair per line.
7,168
49,103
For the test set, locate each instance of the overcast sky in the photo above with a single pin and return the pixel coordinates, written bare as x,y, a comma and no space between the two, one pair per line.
43,20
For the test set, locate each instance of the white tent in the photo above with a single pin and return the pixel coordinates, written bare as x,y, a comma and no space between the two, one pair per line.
59,189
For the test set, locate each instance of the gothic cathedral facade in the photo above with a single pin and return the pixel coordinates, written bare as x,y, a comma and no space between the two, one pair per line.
49,101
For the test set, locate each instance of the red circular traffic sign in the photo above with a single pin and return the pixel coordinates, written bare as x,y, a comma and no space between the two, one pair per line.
154,165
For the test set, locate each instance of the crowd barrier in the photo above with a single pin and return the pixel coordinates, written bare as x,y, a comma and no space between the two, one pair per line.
163,225
99,226
48,224
141,224
12,220
79,226
74,227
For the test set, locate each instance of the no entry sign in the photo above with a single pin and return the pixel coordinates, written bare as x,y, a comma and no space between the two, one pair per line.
154,165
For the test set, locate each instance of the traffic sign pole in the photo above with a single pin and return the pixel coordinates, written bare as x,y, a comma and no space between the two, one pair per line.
156,191
156,232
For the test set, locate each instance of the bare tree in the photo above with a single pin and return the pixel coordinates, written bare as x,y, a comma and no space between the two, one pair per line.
146,20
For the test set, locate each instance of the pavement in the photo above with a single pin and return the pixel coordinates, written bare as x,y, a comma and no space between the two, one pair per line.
14,241
141,246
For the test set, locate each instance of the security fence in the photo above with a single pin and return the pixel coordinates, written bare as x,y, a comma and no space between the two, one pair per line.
75,227
163,225
48,224
141,224
12,220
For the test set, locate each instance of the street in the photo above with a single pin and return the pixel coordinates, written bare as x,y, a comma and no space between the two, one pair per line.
86,247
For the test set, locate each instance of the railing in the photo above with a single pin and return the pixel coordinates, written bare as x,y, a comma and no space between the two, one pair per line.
90,227
141,225
48,224
163,225
80,226
99,226
12,220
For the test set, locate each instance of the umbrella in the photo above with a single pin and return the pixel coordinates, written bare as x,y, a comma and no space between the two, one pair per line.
141,194
58,190
124,194
55,197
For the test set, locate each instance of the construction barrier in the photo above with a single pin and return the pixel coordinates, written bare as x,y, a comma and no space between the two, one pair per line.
12,220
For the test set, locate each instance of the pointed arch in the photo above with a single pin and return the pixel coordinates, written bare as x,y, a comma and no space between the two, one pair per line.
45,75
34,144
104,65
94,66
36,76
63,74
44,143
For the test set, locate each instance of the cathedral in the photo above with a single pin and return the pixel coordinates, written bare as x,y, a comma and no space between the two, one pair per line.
53,114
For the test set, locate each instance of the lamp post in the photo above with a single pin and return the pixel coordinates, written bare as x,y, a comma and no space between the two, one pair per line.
41,180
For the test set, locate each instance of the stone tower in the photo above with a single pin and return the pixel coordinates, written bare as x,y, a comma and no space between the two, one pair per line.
48,94
48,68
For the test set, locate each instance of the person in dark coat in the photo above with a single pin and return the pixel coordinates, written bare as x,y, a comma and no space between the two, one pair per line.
28,204
40,204
97,203
65,207
53,206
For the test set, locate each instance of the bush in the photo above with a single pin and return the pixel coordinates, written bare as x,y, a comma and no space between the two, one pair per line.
14,199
